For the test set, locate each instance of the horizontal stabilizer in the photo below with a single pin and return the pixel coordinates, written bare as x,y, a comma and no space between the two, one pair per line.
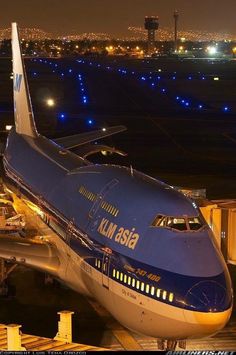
39,255
77,140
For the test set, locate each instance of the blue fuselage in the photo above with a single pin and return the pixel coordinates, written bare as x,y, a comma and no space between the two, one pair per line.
104,210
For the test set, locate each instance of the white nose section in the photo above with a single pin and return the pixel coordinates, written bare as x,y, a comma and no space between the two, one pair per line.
206,323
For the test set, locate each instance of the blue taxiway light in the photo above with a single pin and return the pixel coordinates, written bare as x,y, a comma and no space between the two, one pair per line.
62,116
90,122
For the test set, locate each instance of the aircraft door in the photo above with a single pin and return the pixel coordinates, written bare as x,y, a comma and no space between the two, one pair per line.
69,232
105,270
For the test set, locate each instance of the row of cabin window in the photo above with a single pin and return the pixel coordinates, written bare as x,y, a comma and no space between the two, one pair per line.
109,208
89,195
92,197
138,284
142,286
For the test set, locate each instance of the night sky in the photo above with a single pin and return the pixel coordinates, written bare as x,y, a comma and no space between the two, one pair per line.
114,16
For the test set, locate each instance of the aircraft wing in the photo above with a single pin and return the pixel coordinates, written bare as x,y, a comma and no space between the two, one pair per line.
77,140
36,254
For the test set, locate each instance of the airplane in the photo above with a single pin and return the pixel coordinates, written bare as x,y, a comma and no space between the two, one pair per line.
135,244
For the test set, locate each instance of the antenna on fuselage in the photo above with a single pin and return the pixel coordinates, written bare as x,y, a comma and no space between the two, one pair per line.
131,171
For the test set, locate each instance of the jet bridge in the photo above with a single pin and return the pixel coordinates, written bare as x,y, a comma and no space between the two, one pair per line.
221,217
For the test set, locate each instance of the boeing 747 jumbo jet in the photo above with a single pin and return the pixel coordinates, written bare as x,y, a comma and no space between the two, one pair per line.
133,243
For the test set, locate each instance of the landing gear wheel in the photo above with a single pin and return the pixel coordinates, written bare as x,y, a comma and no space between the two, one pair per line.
171,344
166,345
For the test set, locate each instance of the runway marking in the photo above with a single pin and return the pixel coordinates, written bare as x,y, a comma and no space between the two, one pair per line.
126,340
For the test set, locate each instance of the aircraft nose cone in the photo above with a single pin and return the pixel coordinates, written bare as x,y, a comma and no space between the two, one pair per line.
208,296
211,305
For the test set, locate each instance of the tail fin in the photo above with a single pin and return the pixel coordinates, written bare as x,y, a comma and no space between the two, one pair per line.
24,117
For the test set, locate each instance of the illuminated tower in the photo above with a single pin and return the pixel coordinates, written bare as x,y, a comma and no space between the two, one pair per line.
151,25
176,18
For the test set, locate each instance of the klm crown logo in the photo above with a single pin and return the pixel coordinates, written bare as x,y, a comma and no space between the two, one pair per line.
17,82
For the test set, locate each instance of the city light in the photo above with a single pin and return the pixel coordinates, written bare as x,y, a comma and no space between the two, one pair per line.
212,50
50,102
8,127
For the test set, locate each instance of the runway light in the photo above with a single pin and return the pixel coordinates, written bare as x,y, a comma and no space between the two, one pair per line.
216,78
104,129
200,107
50,102
226,109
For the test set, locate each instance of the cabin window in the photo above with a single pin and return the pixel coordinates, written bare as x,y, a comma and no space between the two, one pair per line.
164,294
152,290
114,273
147,288
117,275
129,280
121,276
125,279
142,286
133,282
158,293
171,297
137,284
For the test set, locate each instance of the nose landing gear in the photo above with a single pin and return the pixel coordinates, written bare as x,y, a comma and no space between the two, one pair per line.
170,344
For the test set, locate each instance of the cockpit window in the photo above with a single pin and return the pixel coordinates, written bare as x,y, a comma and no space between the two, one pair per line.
178,223
194,223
